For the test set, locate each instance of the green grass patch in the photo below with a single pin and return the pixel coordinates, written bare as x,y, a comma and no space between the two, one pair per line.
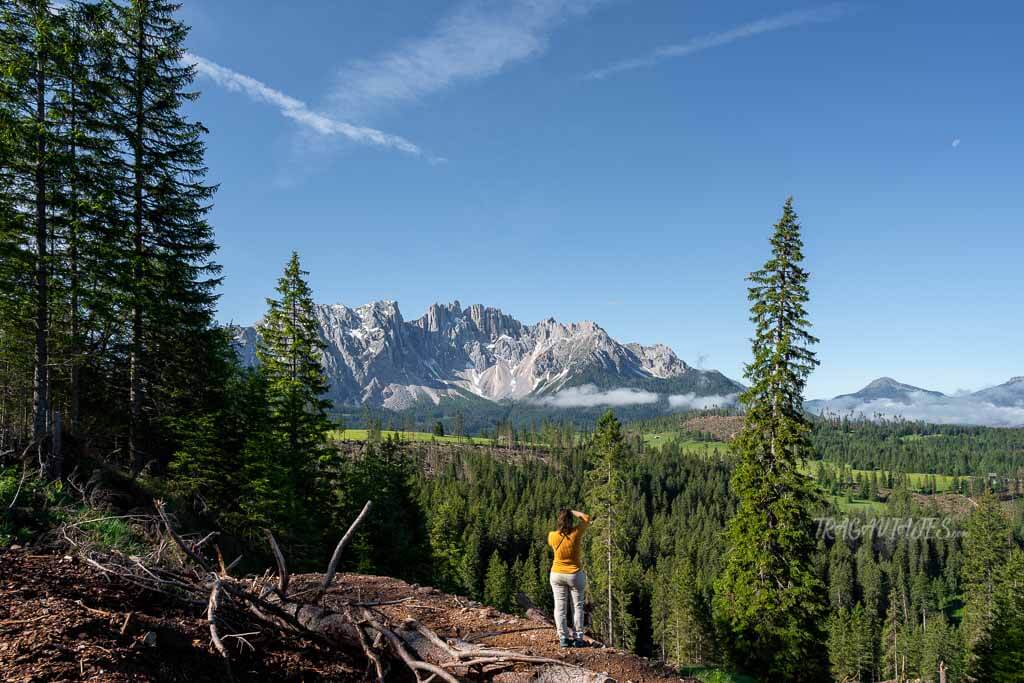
363,435
919,481
856,505
708,674
686,445
109,532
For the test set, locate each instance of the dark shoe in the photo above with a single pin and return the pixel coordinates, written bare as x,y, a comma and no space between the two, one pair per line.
565,642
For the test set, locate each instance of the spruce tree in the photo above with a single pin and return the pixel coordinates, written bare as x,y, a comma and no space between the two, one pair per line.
168,282
768,598
840,575
1003,651
608,569
85,203
497,584
987,549
289,352
529,581
850,644
29,51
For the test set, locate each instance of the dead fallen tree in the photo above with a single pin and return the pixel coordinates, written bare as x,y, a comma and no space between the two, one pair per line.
239,608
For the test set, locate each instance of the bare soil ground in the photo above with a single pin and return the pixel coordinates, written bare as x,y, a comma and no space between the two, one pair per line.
722,427
60,620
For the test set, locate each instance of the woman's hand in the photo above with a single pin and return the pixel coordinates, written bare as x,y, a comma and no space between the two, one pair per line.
580,515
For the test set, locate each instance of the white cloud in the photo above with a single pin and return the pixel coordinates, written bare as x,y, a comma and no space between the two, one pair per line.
956,143
479,40
297,110
695,402
783,21
588,396
930,408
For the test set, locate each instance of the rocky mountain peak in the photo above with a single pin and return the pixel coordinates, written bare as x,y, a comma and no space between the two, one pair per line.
373,355
492,322
886,383
384,311
441,316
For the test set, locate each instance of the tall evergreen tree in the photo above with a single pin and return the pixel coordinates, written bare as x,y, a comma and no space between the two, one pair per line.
497,584
168,284
29,50
840,575
768,598
89,158
289,353
1002,652
608,569
987,549
850,644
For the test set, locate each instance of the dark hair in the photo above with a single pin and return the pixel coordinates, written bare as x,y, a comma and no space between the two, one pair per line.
566,522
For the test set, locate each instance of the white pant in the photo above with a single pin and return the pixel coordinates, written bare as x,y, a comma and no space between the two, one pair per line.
562,585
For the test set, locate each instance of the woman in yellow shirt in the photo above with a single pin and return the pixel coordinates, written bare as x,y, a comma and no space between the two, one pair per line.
567,575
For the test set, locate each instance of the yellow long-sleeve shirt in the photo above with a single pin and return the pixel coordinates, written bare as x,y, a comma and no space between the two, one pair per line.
567,547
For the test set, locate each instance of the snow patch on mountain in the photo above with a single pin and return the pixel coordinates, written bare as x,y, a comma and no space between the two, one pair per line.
373,356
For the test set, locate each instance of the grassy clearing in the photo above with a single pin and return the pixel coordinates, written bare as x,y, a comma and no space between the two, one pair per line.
857,505
363,435
919,481
686,445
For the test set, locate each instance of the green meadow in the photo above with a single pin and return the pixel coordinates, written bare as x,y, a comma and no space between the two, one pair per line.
363,435
686,445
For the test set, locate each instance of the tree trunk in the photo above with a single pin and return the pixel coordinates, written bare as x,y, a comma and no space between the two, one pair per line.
73,236
40,382
135,371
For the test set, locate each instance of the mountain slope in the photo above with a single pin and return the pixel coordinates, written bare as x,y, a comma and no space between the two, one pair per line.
890,389
1000,406
1010,394
374,356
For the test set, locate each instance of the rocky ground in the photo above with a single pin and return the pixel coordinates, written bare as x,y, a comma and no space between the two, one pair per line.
62,620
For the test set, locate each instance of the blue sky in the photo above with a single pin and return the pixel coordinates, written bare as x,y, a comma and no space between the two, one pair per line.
623,161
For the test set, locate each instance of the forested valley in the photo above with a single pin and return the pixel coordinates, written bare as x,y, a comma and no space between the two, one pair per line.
720,557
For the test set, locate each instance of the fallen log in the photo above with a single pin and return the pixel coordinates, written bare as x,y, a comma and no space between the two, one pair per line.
359,629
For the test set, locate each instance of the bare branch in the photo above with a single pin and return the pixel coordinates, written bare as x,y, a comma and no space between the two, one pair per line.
282,568
399,648
24,474
211,619
178,539
374,658
332,568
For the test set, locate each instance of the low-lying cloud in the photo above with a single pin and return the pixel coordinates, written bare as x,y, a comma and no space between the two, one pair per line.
589,396
695,402
925,407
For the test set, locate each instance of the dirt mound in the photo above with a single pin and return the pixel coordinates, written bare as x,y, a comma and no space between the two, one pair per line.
61,620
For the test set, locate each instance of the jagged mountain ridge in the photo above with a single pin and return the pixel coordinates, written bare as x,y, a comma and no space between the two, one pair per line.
374,356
